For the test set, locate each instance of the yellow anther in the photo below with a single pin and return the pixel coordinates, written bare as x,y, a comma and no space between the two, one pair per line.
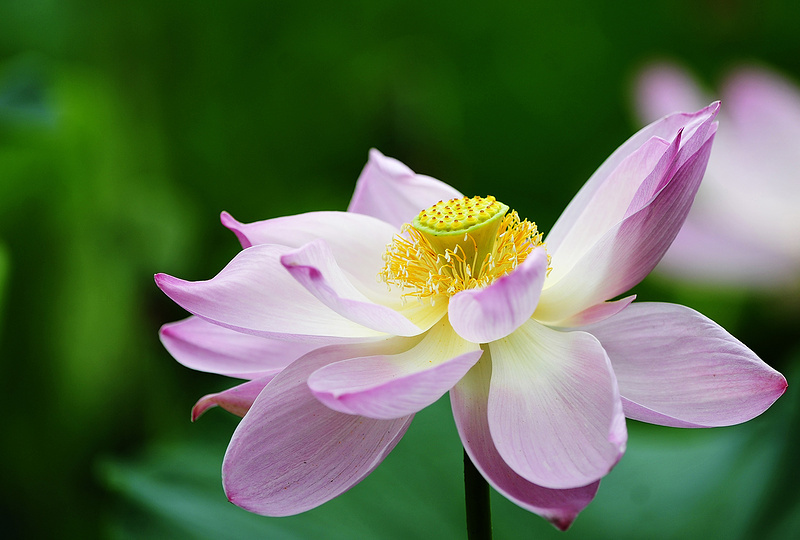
443,252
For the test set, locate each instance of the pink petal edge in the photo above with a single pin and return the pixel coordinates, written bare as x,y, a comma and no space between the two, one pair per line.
291,453
236,400
469,401
677,368
356,241
398,384
665,128
201,345
390,191
554,409
484,315
254,294
627,252
315,269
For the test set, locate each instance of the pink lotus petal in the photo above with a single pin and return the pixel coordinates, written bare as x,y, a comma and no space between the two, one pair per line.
291,453
688,143
630,187
628,251
677,368
597,313
315,269
203,346
469,401
236,400
390,191
356,241
611,200
666,129
484,315
554,408
255,294
398,384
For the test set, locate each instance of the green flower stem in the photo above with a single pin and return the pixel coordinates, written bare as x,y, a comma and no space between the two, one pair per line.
476,497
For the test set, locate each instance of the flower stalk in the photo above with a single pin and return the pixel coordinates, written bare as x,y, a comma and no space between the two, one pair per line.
476,499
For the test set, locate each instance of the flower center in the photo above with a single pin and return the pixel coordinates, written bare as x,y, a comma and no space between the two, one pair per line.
455,245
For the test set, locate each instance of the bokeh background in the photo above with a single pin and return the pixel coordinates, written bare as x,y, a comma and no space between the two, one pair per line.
126,127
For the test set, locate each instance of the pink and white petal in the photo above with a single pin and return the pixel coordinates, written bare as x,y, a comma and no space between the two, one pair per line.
236,400
390,191
291,453
628,189
554,409
611,200
693,138
665,128
676,367
665,88
484,315
597,313
254,294
314,267
399,384
200,345
469,400
356,241
627,252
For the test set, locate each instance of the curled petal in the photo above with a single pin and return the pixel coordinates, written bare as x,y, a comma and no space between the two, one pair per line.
356,241
236,400
484,315
200,345
648,164
676,367
631,186
291,453
390,191
469,400
666,128
628,251
554,408
254,294
349,235
315,269
395,385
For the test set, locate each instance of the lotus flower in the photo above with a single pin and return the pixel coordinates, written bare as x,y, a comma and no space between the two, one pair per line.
543,364
751,191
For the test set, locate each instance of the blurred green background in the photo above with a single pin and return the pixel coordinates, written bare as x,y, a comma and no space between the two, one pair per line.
125,128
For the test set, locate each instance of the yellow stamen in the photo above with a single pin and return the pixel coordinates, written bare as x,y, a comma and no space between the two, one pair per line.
456,245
